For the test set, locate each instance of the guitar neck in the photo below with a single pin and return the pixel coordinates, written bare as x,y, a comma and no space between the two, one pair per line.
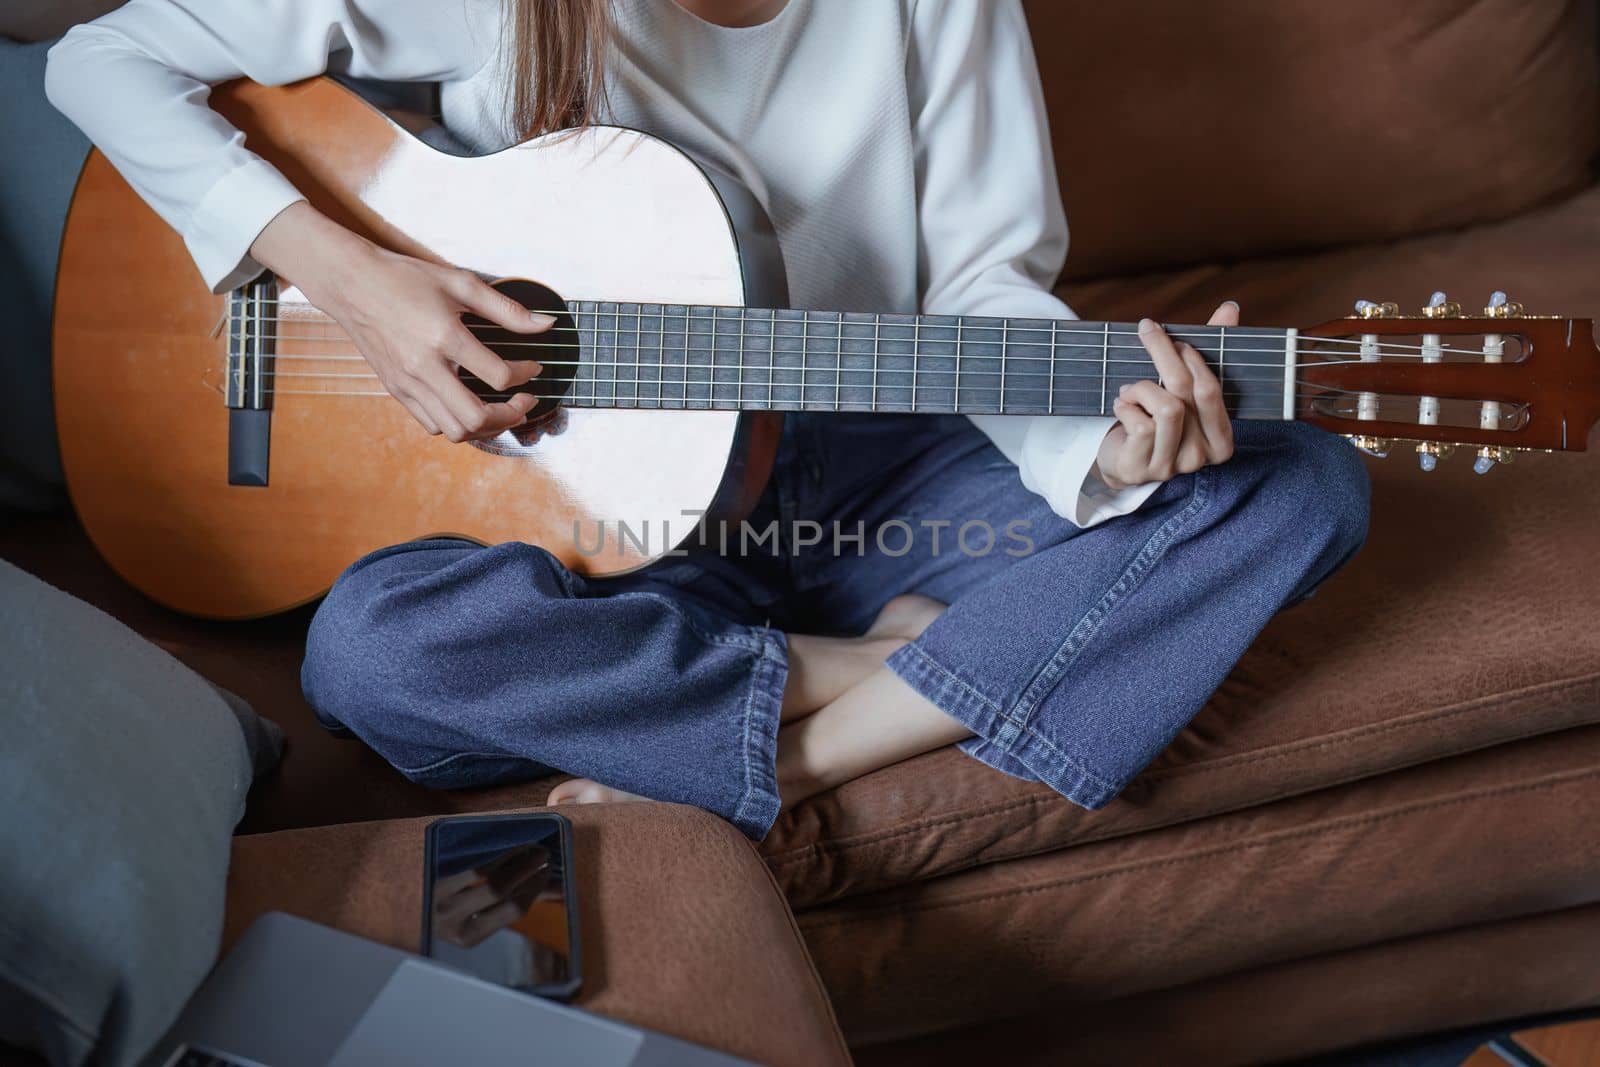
756,359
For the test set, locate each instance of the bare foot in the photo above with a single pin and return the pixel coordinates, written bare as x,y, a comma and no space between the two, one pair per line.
588,791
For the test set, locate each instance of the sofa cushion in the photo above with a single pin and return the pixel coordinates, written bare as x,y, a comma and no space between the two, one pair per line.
1192,132
1428,984
1482,838
1467,621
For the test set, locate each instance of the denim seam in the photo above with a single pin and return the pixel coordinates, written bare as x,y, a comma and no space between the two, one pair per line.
748,642
438,764
944,679
1333,826
1048,676
758,807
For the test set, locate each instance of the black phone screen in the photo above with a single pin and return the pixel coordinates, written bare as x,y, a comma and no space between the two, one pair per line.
498,900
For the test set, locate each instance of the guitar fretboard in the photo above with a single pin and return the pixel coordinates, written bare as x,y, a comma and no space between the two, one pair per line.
729,358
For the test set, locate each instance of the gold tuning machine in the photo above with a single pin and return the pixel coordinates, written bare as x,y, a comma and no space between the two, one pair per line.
1372,446
1429,453
1372,309
1489,455
1441,307
1502,307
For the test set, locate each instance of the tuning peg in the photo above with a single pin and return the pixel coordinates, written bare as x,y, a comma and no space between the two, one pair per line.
1502,307
1371,309
1441,307
1429,453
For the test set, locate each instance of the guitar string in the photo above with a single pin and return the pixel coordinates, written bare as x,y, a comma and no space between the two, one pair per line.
1302,391
1398,351
965,357
833,318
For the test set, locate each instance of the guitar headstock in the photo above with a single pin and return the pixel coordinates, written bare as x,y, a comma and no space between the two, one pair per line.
1501,382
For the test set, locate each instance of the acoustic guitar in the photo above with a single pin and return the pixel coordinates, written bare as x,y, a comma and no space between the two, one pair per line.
230,455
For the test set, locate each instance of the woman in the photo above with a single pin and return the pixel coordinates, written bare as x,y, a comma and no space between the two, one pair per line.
901,149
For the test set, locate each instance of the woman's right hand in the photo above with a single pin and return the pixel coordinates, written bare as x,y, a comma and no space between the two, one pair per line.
404,316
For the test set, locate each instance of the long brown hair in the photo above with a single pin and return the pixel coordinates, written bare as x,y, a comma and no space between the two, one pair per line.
556,51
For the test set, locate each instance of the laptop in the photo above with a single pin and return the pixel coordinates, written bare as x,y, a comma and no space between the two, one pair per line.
293,993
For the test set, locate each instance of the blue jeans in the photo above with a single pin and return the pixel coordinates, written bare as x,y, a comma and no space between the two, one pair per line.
1074,656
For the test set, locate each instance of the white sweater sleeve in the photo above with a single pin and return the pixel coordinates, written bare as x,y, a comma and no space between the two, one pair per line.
992,233
137,81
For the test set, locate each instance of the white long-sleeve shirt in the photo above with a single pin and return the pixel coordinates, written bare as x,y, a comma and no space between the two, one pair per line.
899,146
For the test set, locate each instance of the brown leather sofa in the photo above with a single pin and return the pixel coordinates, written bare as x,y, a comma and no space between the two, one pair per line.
1385,822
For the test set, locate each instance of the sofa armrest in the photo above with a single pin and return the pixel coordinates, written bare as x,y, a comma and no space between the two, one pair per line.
683,929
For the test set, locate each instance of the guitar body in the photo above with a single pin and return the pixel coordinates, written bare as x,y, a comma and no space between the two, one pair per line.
140,361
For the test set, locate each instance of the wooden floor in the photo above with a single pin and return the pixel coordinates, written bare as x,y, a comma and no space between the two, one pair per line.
1567,1045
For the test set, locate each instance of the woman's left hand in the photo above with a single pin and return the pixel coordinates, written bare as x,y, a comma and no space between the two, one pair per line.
1172,427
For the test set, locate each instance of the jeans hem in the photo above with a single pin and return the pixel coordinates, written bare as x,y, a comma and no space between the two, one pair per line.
758,806
1000,734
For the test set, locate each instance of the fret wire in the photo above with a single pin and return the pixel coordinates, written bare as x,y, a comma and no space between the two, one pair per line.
959,331
688,317
742,313
711,373
805,345
661,351
638,344
772,361
1222,353
877,342
838,360
916,353
1105,365
1004,332
1050,402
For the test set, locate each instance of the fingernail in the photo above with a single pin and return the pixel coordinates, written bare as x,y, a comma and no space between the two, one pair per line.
1146,324
1124,390
1235,304
539,318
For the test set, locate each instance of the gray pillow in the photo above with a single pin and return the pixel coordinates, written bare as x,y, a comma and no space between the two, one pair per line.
40,156
122,774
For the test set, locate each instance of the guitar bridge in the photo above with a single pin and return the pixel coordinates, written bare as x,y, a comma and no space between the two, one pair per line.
252,315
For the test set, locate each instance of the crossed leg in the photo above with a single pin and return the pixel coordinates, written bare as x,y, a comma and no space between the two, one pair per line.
844,713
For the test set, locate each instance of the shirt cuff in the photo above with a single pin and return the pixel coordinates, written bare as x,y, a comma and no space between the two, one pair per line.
230,217
1058,458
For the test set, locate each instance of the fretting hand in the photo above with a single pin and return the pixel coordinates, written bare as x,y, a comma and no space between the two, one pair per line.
1172,427
404,316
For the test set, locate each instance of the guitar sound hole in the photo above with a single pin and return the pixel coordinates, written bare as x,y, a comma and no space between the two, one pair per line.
556,348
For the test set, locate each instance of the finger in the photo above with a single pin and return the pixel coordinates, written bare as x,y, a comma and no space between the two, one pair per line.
461,404
1164,353
483,299
505,415
1210,410
1169,414
449,426
1227,314
1133,458
466,351
418,412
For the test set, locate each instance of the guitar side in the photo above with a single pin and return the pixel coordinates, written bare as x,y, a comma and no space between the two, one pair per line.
139,364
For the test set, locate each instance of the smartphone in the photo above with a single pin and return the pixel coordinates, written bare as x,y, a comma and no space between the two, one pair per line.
498,900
